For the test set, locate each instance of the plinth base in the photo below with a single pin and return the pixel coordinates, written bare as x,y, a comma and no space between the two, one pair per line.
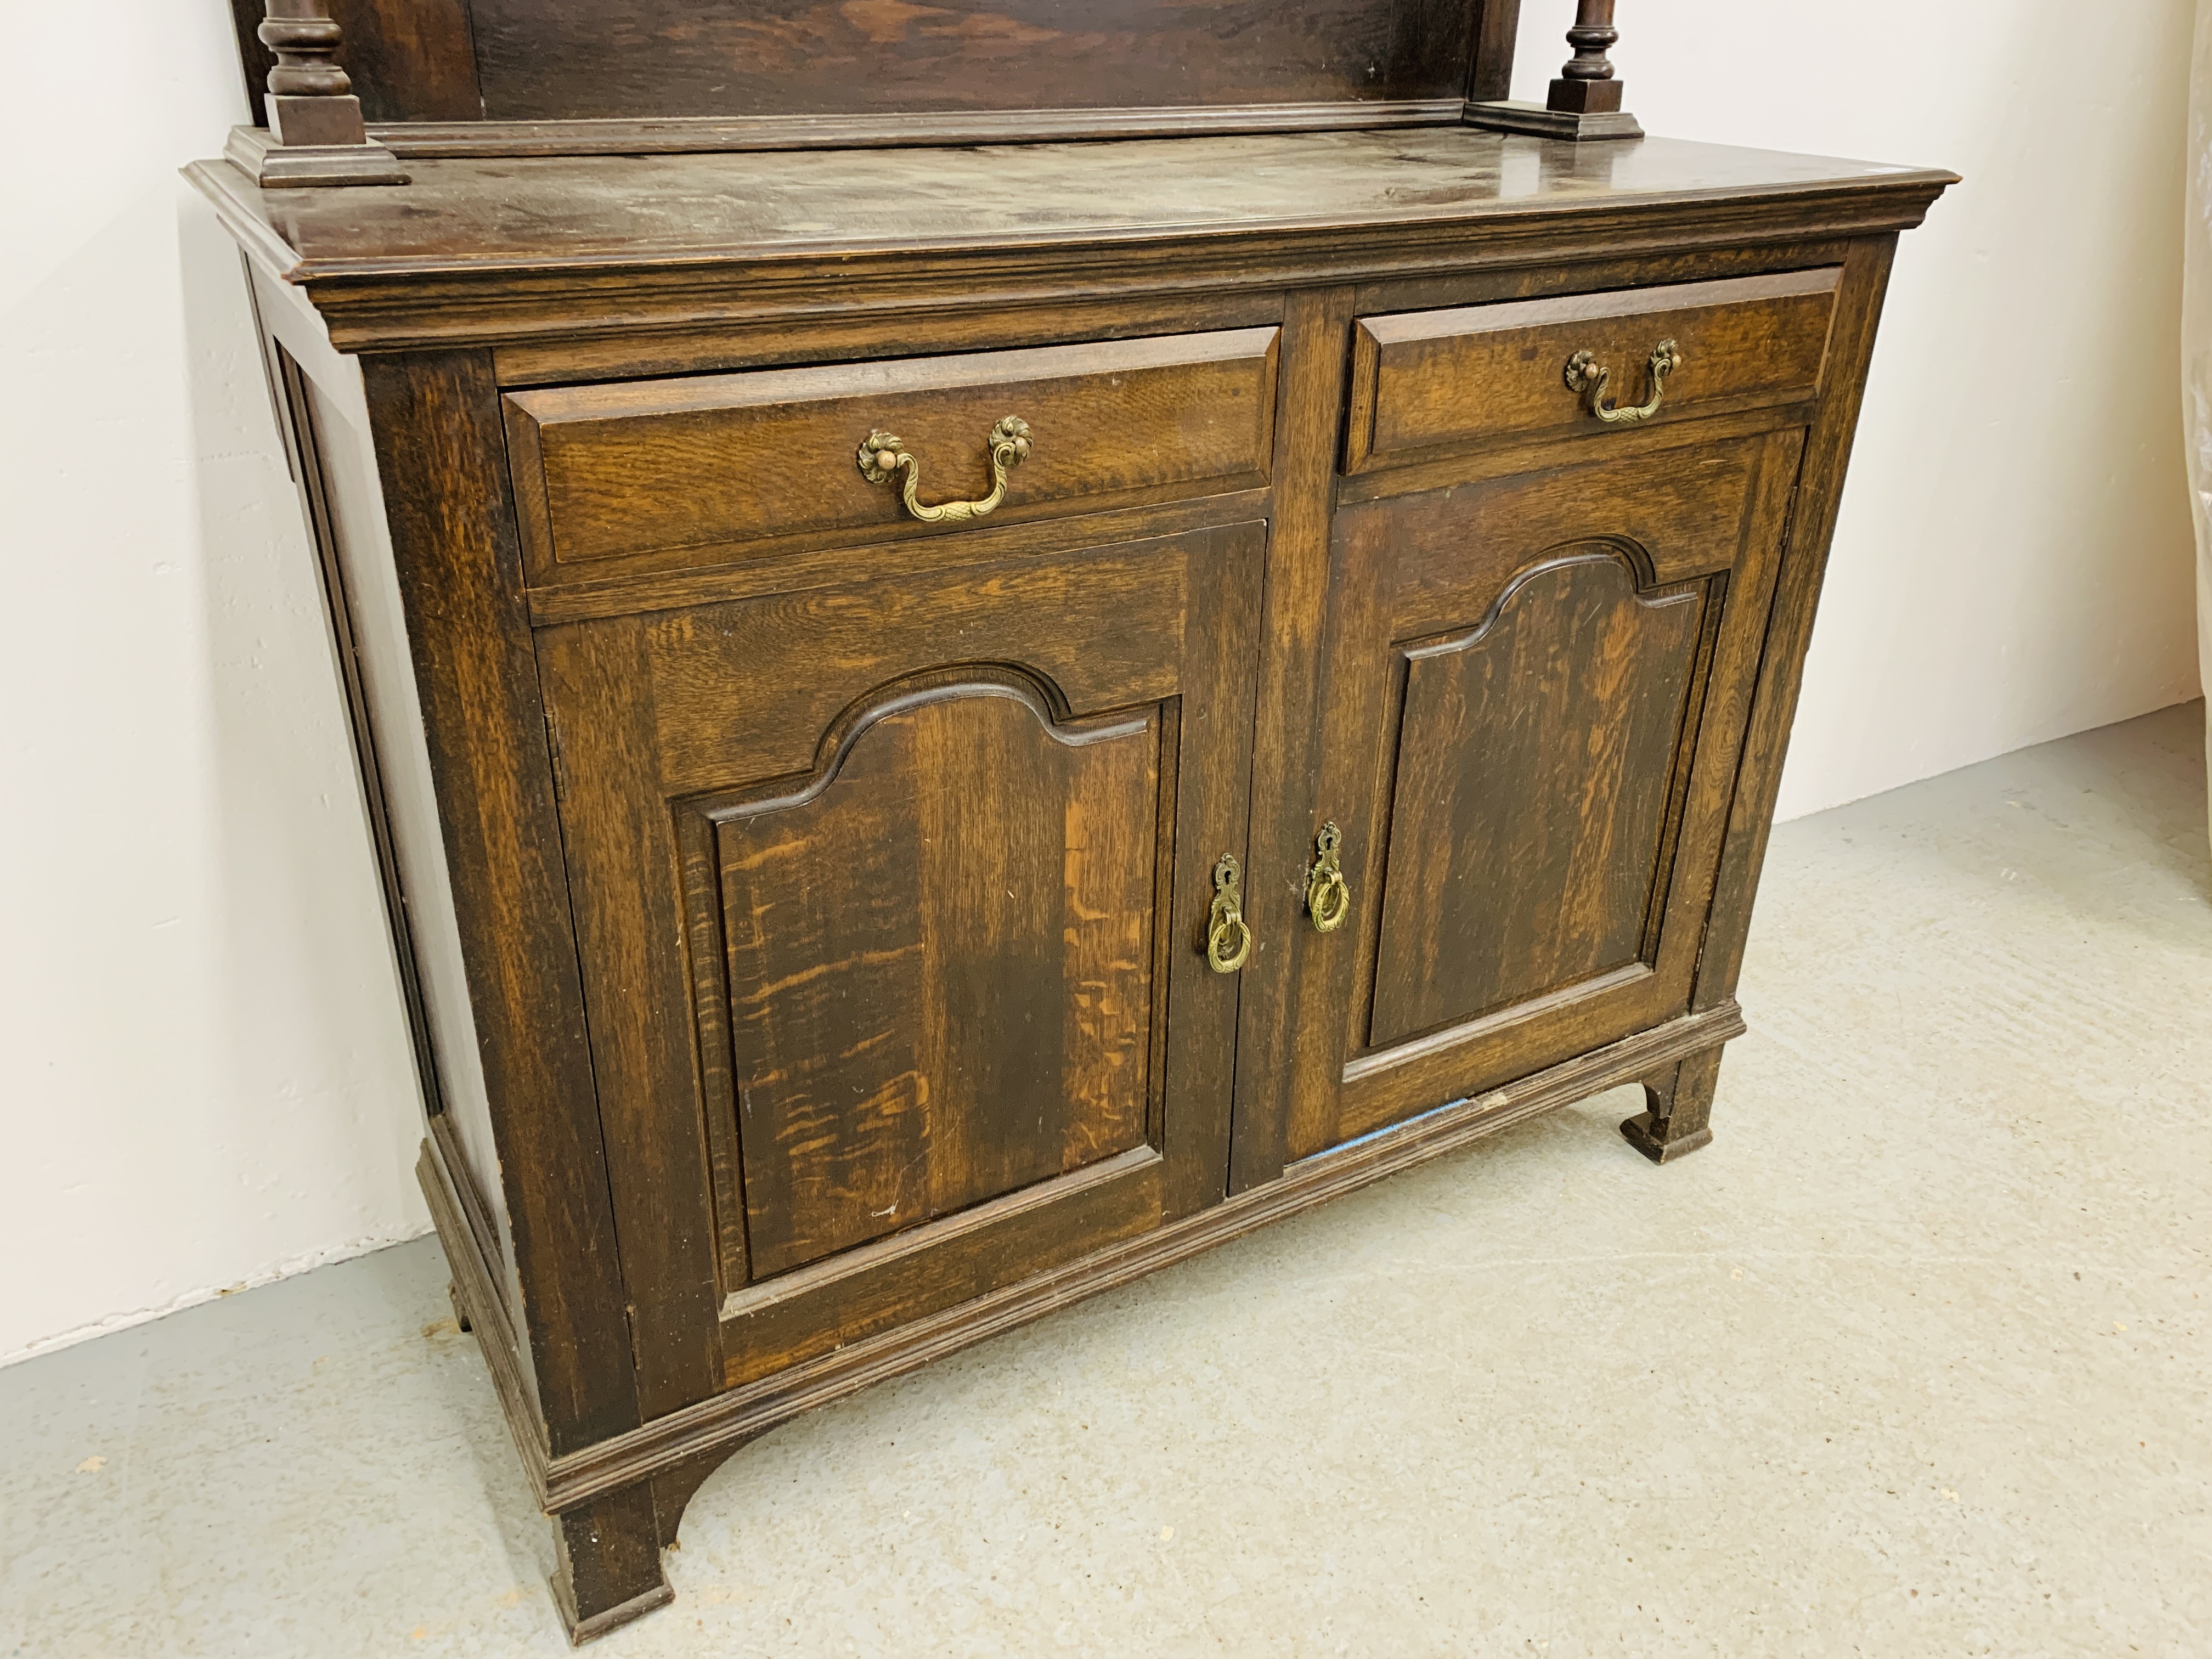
1504,116
273,166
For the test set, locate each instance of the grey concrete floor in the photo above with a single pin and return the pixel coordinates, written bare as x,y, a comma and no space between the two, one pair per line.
1913,1360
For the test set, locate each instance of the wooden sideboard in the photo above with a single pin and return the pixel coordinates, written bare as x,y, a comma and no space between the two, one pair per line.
947,726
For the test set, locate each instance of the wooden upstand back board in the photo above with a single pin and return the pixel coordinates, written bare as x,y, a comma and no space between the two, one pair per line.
838,929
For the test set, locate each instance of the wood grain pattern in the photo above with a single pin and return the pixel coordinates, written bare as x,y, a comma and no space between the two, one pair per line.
1496,32
569,78
749,1408
890,329
910,1276
1677,1117
504,251
408,60
690,470
941,956
676,135
811,564
625,868
554,59
1536,757
835,892
953,829
675,1446
1288,771
1426,569
1424,381
439,450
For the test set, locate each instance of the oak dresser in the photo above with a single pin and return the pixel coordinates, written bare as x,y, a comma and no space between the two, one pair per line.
990,643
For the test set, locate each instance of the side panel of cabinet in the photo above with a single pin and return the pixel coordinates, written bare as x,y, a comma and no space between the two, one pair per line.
890,900
346,519
434,416
1537,690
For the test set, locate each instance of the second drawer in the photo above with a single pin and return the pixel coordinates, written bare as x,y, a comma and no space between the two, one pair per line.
1425,382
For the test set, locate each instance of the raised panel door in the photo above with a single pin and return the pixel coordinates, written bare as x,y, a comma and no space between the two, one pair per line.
894,896
1536,690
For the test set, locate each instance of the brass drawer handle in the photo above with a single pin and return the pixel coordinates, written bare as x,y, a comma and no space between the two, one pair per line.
1228,940
883,455
1329,896
1585,374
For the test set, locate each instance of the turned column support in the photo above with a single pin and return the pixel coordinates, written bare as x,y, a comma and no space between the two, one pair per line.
1586,85
316,135
1585,100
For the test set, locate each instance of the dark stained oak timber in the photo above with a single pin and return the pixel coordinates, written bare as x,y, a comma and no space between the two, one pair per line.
653,475
1585,102
408,60
1586,85
517,77
315,134
1534,768
1426,381
996,954
1278,1017
1467,620
1677,1119
684,134
1497,29
908,874
459,575
586,59
713,1430
841,891
624,211
507,250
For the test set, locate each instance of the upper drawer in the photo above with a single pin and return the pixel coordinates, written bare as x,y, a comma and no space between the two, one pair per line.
1427,379
649,475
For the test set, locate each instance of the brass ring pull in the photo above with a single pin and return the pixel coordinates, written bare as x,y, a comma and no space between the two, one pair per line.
883,456
1228,940
1587,376
1329,896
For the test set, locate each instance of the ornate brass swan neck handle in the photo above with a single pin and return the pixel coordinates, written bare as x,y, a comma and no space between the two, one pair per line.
883,455
1587,376
1228,939
1329,896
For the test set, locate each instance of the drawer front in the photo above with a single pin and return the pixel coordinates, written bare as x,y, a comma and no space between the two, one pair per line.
668,474
1426,381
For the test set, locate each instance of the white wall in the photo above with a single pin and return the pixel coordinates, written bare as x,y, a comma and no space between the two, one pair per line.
2013,559
203,1079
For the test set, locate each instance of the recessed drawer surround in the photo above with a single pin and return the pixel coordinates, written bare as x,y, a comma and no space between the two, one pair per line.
690,471
1423,382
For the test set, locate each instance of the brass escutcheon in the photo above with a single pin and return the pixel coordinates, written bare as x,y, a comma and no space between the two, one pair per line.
1329,896
883,456
1228,940
1587,376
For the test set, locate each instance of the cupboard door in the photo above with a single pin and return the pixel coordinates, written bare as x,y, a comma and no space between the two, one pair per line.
894,896
1538,686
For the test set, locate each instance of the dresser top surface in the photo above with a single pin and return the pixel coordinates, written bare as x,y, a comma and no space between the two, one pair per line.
561,213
